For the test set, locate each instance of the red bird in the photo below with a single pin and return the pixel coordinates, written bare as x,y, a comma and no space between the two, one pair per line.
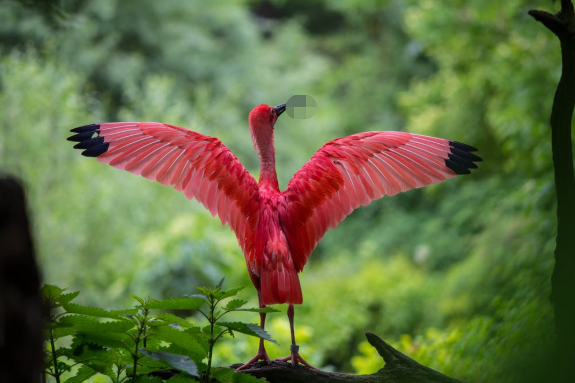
277,230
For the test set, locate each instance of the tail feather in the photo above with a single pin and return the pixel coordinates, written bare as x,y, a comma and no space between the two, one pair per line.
280,286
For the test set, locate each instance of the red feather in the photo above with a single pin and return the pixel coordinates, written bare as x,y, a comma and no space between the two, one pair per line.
277,231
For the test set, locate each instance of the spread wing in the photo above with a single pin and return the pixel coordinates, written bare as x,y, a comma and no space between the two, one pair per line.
352,171
200,166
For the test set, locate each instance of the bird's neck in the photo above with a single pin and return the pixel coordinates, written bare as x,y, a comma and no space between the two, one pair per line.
264,144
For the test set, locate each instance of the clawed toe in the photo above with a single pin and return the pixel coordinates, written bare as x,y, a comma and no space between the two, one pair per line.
295,358
259,356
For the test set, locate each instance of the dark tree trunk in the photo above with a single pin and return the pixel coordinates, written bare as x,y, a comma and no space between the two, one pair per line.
562,25
20,305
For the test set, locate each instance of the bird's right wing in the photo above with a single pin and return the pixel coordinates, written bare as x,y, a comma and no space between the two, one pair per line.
200,166
352,171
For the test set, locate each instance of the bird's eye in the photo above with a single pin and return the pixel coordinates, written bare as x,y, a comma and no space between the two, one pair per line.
272,111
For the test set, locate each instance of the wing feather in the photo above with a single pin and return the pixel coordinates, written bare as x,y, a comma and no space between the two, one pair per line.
352,171
200,166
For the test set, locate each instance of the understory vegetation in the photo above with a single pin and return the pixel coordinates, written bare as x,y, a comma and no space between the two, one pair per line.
455,275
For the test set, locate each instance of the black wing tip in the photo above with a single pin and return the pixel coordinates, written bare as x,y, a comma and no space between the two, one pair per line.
85,128
93,145
460,159
95,151
88,143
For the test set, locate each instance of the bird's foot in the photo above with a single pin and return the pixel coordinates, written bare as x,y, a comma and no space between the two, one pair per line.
261,355
295,358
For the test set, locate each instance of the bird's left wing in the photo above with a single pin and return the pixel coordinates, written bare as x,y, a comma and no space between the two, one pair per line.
352,171
198,165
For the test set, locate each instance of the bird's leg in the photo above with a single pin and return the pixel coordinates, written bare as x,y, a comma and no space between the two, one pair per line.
294,357
262,354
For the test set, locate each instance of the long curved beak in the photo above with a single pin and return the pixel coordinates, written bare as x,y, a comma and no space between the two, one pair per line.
280,108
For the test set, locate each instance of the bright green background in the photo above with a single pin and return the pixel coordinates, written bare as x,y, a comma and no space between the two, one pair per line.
301,107
455,275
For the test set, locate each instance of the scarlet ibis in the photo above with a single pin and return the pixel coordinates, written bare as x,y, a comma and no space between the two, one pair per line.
277,230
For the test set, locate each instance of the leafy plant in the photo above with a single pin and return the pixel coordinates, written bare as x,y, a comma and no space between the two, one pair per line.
131,343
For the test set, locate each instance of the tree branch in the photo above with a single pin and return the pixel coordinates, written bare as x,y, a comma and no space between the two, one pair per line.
562,25
398,368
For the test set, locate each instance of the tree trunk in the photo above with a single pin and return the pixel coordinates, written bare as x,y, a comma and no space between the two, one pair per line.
562,25
20,304
398,368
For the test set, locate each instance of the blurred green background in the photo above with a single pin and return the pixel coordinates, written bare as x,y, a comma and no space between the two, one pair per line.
456,275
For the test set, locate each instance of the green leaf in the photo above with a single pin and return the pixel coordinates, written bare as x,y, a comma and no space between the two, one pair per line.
109,340
267,309
235,304
50,291
66,298
175,304
180,379
83,374
220,283
147,365
119,326
226,294
174,319
141,300
181,362
124,312
204,290
73,321
190,340
144,379
58,333
248,329
85,310
229,375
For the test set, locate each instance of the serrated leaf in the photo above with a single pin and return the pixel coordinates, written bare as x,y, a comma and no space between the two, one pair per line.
220,283
171,319
118,326
235,304
223,374
204,290
175,304
248,329
74,308
147,365
141,300
194,344
50,291
267,309
229,375
84,373
227,294
180,379
73,321
66,298
119,313
144,379
58,333
63,366
180,362
109,340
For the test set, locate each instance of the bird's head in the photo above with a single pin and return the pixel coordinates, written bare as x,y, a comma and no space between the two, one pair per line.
265,116
262,120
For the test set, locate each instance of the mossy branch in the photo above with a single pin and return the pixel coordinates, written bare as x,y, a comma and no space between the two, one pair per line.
399,368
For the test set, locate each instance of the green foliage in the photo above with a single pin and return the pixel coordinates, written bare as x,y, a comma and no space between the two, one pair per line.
458,274
127,345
